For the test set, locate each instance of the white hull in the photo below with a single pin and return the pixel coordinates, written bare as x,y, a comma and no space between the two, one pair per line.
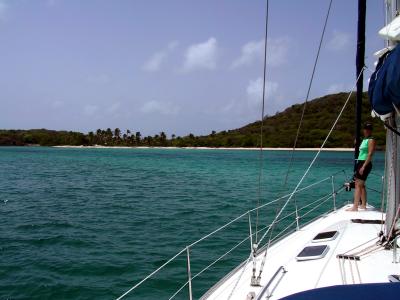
373,267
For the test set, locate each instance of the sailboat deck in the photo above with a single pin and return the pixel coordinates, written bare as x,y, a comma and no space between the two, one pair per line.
375,264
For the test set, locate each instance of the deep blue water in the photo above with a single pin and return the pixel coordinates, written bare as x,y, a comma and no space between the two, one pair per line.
90,223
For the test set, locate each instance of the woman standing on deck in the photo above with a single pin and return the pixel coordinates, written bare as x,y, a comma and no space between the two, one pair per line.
363,168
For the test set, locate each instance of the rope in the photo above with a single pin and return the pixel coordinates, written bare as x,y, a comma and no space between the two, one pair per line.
383,194
359,246
392,167
215,261
219,229
302,116
308,92
151,274
358,270
351,271
391,128
344,272
312,162
261,157
287,195
341,270
240,276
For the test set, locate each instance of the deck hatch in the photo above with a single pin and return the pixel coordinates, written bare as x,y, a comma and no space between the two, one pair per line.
325,236
312,252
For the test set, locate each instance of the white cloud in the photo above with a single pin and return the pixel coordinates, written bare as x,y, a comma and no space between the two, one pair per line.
155,62
339,41
201,56
164,108
254,52
90,110
278,51
3,10
254,91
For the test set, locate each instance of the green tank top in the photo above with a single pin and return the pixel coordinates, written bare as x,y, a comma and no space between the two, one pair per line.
363,154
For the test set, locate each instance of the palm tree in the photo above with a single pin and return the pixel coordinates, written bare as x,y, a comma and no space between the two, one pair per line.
138,137
109,135
156,140
91,137
99,138
163,138
117,133
127,138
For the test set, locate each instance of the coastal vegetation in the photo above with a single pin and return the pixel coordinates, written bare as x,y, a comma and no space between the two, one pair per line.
279,131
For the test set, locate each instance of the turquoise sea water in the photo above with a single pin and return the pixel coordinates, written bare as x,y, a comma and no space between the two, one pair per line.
90,223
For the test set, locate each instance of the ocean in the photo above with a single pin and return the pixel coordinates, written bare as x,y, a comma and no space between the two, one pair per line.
90,223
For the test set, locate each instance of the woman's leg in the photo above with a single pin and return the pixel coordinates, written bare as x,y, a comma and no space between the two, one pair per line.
357,196
363,196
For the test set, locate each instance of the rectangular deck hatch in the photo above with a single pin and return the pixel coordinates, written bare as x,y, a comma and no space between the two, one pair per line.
325,236
313,252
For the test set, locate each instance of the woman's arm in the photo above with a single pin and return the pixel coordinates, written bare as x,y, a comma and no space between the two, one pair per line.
371,149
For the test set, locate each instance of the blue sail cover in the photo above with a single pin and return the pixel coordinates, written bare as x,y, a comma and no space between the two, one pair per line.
384,85
371,291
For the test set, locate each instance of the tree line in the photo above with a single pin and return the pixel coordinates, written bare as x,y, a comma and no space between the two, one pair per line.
103,137
279,131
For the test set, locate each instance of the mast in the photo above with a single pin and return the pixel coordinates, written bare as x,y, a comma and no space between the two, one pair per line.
392,170
359,72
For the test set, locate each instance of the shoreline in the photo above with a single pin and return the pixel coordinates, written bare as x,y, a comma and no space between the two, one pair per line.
205,148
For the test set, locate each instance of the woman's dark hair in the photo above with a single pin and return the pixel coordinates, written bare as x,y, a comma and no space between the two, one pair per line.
368,125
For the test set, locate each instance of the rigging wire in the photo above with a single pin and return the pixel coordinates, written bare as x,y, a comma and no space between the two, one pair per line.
261,156
297,133
301,119
308,92
306,172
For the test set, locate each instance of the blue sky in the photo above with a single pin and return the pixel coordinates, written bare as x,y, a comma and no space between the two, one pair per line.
180,66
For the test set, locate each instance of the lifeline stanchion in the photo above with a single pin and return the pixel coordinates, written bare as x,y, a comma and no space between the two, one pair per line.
189,273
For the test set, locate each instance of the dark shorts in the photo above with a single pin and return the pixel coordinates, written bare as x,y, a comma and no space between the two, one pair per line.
366,172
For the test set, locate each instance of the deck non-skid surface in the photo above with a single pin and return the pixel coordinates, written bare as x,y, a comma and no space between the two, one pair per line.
375,263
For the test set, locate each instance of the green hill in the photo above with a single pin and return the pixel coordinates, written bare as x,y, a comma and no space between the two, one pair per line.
279,130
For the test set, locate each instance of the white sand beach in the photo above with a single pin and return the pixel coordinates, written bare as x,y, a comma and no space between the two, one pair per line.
205,148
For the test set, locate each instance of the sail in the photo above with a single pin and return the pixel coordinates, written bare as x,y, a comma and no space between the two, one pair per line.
384,94
384,84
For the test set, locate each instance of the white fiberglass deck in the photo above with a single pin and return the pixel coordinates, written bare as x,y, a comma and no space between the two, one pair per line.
375,266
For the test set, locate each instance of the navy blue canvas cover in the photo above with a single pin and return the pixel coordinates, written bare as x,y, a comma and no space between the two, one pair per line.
384,85
370,291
